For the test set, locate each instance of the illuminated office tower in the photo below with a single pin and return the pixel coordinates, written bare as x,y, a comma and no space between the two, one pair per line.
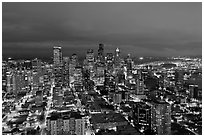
193,89
101,50
179,79
129,63
90,55
78,77
4,70
58,63
57,96
57,56
39,98
66,61
139,86
72,65
37,72
66,123
10,82
20,81
89,62
117,58
100,75
34,82
28,65
36,65
161,117
109,62
101,57
142,115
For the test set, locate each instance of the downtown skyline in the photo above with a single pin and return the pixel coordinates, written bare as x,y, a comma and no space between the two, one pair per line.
142,29
93,68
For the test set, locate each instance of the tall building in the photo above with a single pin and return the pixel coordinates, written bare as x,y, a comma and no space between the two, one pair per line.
66,123
179,78
10,82
58,97
78,78
66,61
89,63
57,56
193,89
142,115
139,87
117,58
161,117
39,98
36,65
90,55
109,82
58,66
20,81
4,77
101,57
101,50
100,75
72,65
129,63
37,74
109,62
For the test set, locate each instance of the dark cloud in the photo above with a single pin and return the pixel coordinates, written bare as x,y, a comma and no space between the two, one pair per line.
162,29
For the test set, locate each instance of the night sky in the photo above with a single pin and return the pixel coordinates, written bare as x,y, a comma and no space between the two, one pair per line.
142,29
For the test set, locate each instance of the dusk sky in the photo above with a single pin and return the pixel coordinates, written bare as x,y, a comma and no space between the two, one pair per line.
142,29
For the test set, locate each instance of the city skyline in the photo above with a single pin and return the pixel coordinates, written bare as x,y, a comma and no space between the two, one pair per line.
101,68
105,95
142,29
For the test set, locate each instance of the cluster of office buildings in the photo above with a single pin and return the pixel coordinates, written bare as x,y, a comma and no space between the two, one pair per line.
105,94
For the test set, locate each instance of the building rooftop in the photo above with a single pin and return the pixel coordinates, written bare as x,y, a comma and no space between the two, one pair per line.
107,118
65,115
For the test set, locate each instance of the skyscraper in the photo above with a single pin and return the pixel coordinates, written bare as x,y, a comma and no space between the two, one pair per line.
161,117
101,57
36,65
142,115
58,63
193,89
90,55
72,65
66,61
109,62
101,50
129,63
57,56
89,62
117,58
